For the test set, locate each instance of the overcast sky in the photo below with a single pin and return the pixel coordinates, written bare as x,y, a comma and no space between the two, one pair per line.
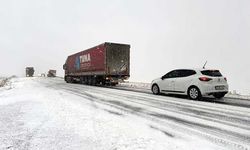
163,34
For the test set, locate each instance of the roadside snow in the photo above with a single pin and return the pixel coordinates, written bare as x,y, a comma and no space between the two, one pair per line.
238,96
3,81
35,116
137,85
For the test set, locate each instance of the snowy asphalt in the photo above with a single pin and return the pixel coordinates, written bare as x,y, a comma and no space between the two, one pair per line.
142,120
234,101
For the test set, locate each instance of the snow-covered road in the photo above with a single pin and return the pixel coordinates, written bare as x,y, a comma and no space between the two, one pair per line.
47,113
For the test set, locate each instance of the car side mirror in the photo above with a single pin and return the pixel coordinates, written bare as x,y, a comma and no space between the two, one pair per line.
163,77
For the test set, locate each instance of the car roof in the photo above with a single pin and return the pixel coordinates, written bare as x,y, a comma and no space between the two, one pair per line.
201,69
196,69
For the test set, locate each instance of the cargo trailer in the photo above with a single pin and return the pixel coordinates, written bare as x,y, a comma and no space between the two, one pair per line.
51,73
105,64
29,71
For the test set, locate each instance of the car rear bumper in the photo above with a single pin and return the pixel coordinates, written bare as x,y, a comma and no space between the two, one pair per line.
213,93
207,89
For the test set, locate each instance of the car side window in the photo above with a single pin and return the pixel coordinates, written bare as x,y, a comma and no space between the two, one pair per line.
186,73
179,73
172,74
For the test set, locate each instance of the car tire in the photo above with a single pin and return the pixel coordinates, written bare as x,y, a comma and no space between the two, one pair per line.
219,95
155,89
194,93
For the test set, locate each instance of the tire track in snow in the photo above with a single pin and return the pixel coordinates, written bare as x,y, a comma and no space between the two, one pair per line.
213,114
75,89
134,110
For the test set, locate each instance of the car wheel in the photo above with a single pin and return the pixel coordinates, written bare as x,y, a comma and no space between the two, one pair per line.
219,95
155,89
194,93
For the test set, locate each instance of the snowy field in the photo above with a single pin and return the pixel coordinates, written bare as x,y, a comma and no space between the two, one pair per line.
46,113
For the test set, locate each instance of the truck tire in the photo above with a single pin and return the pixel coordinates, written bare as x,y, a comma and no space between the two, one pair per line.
66,79
69,80
82,80
93,81
114,84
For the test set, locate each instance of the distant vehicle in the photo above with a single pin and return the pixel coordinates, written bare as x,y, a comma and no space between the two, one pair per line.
192,82
51,73
29,71
105,64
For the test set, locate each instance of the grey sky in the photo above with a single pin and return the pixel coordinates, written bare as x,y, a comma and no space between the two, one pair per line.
164,34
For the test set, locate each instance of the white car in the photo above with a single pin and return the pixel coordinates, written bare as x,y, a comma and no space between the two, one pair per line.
192,82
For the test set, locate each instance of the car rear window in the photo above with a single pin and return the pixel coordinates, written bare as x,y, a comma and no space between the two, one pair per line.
212,73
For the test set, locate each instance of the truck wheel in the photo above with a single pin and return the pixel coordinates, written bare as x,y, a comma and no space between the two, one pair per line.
155,89
114,84
82,80
69,80
66,79
94,82
194,93
88,81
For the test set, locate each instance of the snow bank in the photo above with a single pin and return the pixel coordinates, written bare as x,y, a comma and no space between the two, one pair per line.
3,81
238,96
6,83
136,85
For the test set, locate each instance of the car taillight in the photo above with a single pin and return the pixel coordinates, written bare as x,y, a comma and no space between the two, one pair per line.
225,78
204,79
